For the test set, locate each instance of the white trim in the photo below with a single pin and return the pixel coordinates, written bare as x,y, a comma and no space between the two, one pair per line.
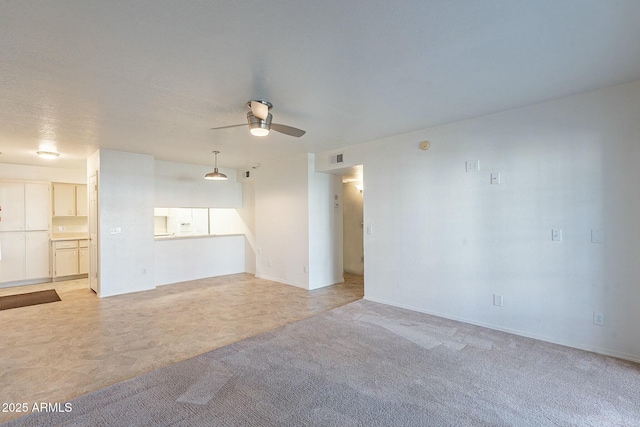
567,343
285,282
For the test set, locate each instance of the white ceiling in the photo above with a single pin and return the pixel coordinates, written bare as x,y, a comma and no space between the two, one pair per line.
153,77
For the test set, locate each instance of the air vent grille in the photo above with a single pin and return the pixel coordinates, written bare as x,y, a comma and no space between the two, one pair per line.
336,159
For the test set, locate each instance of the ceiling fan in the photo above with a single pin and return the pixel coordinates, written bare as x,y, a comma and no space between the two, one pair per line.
259,120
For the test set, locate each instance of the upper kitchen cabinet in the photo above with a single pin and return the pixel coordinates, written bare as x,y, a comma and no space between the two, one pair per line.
24,206
37,206
82,203
69,199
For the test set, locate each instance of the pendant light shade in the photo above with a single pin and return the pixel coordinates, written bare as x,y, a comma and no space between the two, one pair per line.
215,175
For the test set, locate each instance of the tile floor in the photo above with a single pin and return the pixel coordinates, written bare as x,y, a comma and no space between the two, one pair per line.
58,351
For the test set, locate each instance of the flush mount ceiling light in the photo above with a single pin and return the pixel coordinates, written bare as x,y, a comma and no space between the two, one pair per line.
47,154
215,175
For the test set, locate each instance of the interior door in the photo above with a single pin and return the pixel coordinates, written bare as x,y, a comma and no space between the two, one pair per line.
93,233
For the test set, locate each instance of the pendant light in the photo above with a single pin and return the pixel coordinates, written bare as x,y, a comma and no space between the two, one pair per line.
215,175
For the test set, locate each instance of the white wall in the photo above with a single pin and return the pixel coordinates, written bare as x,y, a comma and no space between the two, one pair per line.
126,201
298,230
41,173
182,185
282,220
179,260
247,215
444,241
325,228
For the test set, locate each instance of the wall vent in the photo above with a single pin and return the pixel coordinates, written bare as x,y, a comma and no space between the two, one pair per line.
336,159
245,175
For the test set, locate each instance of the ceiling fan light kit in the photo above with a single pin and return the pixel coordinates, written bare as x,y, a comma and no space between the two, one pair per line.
215,175
259,120
257,126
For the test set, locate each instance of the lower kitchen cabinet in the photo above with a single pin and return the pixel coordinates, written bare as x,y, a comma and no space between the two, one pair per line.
37,255
24,255
70,258
83,260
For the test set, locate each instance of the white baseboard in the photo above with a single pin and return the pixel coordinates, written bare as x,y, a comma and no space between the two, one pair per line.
567,343
279,280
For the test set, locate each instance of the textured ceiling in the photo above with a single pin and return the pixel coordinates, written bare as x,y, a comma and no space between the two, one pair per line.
153,76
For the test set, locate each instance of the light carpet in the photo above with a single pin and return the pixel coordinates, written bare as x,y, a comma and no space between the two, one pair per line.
368,364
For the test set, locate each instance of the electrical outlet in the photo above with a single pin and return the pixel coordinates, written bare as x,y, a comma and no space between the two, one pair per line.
598,319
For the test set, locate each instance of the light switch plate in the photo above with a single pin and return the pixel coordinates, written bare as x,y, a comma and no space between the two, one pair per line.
497,300
556,235
473,165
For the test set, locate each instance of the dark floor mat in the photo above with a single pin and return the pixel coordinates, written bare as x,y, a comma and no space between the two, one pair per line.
31,298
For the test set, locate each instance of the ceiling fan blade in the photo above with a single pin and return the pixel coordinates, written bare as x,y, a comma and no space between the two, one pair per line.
259,110
287,130
230,126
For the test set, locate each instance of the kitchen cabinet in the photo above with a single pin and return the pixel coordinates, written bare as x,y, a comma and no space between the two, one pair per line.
13,250
11,206
82,204
24,230
37,255
69,199
37,206
24,206
24,256
83,260
70,257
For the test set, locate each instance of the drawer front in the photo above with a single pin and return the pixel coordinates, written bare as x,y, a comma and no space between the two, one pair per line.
66,244
83,243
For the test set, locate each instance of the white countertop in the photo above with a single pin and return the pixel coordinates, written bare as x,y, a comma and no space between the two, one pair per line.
58,237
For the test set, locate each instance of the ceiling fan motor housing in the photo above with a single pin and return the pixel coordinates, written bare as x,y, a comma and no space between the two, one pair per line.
256,123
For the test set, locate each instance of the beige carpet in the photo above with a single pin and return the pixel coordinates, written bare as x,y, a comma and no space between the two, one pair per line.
368,364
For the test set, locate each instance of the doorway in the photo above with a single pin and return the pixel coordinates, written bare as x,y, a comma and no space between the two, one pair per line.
353,222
